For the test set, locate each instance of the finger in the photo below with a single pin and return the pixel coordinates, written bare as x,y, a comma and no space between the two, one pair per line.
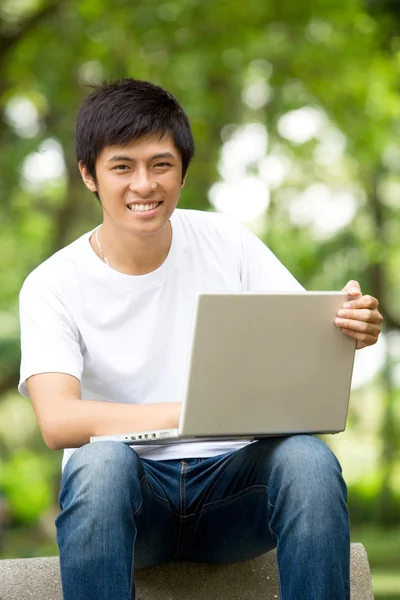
359,327
352,287
361,314
362,302
363,339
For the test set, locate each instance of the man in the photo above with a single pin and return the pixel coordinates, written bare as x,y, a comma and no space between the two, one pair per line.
105,327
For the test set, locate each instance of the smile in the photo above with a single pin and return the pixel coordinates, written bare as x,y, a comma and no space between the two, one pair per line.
143,207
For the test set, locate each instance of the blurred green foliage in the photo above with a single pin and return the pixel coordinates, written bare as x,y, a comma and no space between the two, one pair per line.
25,480
230,64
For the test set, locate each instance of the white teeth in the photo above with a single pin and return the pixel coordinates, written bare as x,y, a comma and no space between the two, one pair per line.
142,207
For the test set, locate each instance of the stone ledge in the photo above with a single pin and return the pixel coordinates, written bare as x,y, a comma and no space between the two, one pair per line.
39,579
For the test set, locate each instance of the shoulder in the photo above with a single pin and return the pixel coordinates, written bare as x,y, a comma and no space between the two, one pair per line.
206,222
56,269
216,231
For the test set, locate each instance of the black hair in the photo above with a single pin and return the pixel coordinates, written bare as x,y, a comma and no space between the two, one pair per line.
118,112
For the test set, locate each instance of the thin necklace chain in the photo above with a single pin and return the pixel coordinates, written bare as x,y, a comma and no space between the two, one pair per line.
103,258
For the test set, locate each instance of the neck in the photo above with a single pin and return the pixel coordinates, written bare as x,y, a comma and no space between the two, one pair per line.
130,253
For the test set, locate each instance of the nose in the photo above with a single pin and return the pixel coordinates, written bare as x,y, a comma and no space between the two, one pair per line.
142,183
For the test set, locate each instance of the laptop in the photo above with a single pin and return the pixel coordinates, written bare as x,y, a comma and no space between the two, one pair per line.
261,364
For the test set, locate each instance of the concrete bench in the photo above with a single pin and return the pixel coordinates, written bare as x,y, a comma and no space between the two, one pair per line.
39,579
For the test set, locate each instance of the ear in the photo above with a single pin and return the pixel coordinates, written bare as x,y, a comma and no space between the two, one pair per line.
87,178
183,182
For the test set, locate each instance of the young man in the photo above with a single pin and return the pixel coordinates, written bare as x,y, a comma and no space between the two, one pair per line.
105,327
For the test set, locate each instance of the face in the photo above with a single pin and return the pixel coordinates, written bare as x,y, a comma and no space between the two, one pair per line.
138,184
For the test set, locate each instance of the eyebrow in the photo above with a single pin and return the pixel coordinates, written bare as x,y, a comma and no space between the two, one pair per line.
121,157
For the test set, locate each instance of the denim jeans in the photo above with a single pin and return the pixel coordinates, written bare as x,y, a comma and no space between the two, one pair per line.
121,512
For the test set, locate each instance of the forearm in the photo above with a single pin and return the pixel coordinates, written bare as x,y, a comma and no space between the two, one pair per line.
76,420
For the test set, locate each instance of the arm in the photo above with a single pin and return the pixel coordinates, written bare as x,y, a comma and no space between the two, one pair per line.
67,421
360,318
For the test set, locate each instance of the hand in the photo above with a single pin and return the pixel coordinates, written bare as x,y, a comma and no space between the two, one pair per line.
359,317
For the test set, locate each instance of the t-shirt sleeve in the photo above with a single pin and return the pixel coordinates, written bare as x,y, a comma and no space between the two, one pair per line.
49,337
261,271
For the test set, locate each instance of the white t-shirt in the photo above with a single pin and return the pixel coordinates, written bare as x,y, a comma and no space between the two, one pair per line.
126,337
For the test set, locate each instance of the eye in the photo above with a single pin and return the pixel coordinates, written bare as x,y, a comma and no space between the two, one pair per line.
120,168
163,165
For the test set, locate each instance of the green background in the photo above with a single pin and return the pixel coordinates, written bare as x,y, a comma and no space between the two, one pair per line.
231,64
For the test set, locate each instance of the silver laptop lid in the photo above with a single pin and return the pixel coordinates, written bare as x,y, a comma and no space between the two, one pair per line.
267,363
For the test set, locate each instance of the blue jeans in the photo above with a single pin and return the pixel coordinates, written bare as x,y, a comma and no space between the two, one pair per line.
121,512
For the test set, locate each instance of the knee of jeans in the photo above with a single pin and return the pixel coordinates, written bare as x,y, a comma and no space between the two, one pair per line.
307,461
102,471
309,486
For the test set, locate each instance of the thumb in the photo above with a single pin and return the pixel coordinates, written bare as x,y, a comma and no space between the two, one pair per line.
352,288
